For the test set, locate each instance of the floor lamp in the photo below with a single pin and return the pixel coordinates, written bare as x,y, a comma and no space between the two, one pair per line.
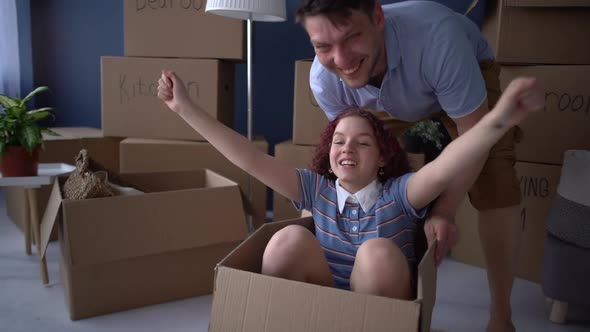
249,10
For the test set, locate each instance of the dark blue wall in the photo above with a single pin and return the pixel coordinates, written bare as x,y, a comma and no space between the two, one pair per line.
23,20
68,37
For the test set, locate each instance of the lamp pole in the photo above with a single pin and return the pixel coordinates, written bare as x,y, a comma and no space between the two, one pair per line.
249,74
249,26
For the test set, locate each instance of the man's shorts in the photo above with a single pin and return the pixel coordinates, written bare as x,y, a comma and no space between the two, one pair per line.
497,185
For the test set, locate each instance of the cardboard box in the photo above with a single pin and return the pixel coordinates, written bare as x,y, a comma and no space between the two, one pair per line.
180,29
137,155
297,156
124,252
131,108
309,120
538,184
540,31
63,149
564,122
245,300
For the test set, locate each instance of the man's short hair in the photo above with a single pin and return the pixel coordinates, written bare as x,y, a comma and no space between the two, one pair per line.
336,10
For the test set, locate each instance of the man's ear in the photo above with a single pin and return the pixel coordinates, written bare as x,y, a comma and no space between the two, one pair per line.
378,16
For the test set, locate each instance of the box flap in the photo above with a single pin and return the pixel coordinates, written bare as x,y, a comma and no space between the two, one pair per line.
213,179
547,3
427,287
78,132
136,140
70,133
50,216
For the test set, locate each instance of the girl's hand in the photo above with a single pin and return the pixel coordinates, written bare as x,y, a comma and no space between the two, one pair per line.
172,91
520,98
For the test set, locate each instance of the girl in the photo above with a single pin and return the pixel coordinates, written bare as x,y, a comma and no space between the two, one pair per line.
364,203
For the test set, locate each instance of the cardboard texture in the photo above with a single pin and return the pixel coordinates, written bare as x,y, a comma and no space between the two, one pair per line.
131,108
137,155
297,156
309,121
63,149
564,122
180,29
539,31
245,300
538,184
124,252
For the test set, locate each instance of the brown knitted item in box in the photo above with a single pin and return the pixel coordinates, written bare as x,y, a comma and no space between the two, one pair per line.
84,183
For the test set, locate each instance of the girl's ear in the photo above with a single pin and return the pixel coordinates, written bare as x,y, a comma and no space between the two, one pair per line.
381,161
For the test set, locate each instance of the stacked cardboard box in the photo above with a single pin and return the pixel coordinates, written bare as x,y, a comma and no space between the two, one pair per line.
308,118
539,31
200,48
539,38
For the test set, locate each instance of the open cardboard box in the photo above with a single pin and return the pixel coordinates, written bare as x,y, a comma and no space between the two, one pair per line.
137,155
245,300
123,252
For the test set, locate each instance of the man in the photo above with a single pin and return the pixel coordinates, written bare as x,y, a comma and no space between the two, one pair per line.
411,61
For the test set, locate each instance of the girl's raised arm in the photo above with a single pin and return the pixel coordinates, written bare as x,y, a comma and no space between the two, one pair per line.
279,176
516,103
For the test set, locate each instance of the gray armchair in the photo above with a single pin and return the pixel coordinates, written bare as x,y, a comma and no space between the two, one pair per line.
566,275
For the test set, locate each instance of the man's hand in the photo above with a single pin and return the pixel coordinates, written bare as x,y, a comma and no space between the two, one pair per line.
440,228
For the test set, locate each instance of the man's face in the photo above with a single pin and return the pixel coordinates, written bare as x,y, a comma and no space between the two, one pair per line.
353,49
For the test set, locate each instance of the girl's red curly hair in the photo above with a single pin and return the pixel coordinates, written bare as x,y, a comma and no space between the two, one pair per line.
396,159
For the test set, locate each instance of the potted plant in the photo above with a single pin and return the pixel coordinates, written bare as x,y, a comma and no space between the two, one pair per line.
421,135
21,134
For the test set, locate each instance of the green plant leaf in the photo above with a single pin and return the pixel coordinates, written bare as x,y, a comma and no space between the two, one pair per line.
2,148
8,102
428,131
15,110
42,109
31,137
39,115
32,94
49,132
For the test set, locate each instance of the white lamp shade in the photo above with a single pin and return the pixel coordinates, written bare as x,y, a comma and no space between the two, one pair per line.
256,10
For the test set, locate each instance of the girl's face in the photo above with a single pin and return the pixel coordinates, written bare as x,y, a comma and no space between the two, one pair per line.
354,155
